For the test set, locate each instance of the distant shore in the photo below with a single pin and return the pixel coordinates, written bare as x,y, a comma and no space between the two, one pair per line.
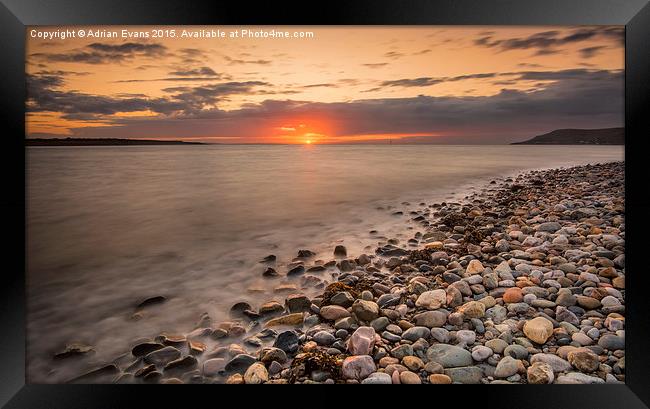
102,142
523,282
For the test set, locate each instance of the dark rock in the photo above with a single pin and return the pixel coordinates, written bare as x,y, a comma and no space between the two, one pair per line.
159,299
340,251
270,272
146,347
287,341
237,310
240,363
297,270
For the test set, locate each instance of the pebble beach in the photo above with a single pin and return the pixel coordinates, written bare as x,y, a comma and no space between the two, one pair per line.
522,281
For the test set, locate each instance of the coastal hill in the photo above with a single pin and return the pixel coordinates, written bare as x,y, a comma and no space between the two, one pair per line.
606,136
101,142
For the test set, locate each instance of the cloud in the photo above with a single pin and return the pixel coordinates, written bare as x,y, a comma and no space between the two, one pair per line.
100,53
202,71
428,81
568,99
394,55
375,65
323,85
589,52
195,74
44,94
234,61
546,42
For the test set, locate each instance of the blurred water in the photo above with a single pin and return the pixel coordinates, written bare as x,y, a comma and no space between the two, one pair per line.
110,226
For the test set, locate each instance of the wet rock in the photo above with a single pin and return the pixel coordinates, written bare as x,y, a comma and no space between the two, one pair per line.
286,320
297,303
103,374
256,374
365,310
159,299
414,333
162,356
146,347
295,271
362,341
287,341
333,312
74,349
270,272
240,363
182,363
409,378
271,258
271,308
343,299
324,338
340,251
439,379
358,367
378,378
237,310
305,254
214,366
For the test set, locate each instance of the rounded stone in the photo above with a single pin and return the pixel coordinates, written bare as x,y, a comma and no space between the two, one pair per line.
256,374
538,329
409,378
439,379
540,373
358,367
481,353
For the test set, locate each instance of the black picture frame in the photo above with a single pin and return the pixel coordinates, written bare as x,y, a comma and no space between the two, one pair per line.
16,14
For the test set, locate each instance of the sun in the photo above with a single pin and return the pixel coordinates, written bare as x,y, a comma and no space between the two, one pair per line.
308,141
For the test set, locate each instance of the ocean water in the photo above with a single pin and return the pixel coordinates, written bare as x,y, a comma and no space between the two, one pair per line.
110,226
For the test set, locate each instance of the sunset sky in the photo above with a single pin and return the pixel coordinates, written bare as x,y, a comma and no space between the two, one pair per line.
346,84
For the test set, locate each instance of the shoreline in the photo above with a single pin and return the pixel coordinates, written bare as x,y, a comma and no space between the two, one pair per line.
417,315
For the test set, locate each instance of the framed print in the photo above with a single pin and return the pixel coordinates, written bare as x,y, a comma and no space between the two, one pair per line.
424,192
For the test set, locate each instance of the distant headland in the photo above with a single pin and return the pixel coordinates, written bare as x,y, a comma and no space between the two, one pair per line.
101,142
606,136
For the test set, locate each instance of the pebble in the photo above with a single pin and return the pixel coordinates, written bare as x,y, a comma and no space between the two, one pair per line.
538,329
333,312
409,378
287,341
432,300
449,356
540,373
162,356
481,353
362,341
358,367
256,374
365,310
324,338
378,378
